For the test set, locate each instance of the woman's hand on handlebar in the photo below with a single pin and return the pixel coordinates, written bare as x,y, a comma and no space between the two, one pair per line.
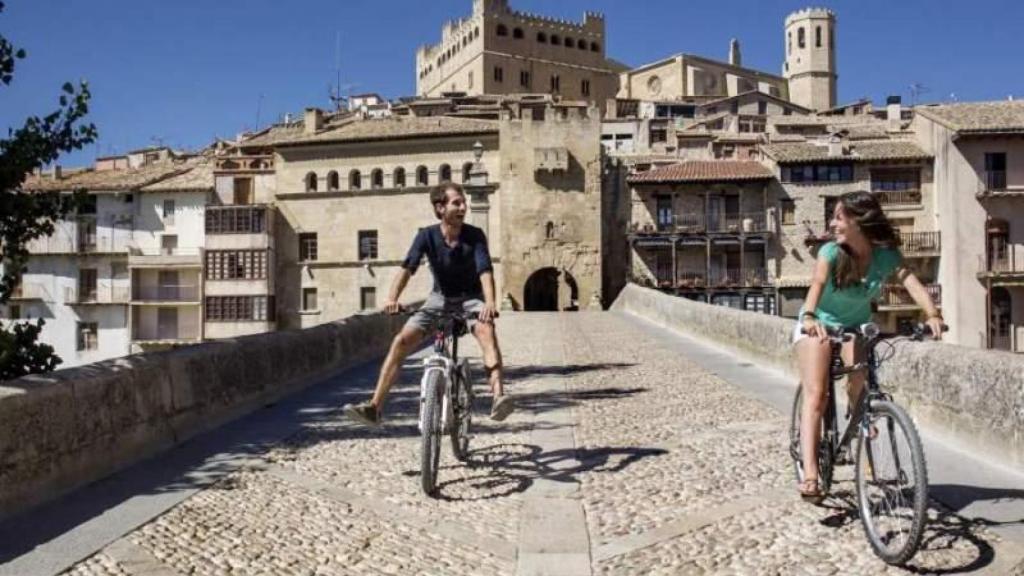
936,326
813,328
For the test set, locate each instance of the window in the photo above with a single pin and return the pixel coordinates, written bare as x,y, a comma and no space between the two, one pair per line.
542,37
762,107
367,298
467,169
399,177
421,176
129,198
241,220
658,135
789,42
595,47
585,87
734,107
367,244
333,181
88,336
664,211
169,243
524,78
307,246
377,178
242,191
89,206
801,41
469,81
569,42
556,82
502,30
817,37
355,180
995,170
895,180
788,210
235,264
763,303
444,173
309,302
581,44
14,311
87,285
549,230
499,74
167,212
239,308
818,173
517,33
311,182
555,39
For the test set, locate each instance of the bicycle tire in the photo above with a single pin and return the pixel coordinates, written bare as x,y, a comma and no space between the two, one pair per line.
824,456
430,447
871,449
462,409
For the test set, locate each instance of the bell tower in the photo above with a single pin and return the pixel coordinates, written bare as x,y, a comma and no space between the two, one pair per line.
810,64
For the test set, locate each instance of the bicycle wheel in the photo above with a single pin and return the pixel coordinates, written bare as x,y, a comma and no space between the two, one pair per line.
462,409
824,458
892,482
430,451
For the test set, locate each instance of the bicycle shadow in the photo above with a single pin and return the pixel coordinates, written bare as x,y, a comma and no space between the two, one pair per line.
515,468
944,533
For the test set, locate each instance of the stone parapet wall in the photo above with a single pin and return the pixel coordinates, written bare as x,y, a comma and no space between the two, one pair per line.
65,429
972,398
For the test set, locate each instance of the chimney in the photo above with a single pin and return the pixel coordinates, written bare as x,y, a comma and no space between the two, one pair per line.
894,112
837,144
313,121
57,172
734,53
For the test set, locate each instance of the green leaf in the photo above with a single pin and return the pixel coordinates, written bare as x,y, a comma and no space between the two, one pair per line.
20,53
68,88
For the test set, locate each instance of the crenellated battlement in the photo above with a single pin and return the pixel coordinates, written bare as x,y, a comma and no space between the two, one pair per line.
592,21
811,12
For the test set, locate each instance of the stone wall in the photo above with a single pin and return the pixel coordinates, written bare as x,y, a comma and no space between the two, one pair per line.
65,429
974,398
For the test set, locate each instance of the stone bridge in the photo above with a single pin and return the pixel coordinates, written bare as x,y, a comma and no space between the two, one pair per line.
637,450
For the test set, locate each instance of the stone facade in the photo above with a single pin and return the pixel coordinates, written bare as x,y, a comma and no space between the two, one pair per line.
497,50
686,76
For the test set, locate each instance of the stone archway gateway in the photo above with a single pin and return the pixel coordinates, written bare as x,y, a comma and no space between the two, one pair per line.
541,291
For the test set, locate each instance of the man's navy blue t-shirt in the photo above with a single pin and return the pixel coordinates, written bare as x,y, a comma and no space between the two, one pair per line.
456,269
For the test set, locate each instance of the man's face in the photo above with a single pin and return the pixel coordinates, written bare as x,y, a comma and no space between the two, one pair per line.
454,210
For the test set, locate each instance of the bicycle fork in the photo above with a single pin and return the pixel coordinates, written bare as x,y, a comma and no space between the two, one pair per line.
435,365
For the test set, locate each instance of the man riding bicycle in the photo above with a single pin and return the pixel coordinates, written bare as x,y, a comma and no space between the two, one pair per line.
463,281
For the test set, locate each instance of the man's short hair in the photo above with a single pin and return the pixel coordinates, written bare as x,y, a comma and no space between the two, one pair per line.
439,195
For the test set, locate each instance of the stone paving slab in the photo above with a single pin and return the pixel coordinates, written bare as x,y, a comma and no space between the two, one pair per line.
626,457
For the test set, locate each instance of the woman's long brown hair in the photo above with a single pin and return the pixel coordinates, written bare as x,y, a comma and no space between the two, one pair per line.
864,209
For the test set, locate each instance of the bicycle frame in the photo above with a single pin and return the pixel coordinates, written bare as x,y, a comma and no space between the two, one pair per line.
441,361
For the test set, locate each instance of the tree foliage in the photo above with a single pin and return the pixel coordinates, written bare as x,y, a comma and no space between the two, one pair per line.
28,215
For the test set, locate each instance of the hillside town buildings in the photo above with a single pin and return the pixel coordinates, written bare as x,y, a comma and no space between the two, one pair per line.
695,176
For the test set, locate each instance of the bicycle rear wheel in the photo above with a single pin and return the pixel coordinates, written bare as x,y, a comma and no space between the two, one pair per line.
824,457
430,447
892,482
462,409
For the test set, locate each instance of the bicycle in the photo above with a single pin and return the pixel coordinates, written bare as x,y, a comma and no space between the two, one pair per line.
892,495
446,398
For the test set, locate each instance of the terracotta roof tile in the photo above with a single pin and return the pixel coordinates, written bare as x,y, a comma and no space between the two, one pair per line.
197,179
122,179
978,117
393,127
858,151
704,171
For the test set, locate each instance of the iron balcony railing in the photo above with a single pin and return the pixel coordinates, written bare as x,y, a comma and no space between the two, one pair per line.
97,295
995,185
912,243
740,277
897,295
169,334
167,293
689,223
31,291
898,197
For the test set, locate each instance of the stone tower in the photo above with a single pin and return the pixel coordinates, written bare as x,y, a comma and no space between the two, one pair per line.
810,63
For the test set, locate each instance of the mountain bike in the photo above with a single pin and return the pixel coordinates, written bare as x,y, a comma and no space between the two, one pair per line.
446,398
890,475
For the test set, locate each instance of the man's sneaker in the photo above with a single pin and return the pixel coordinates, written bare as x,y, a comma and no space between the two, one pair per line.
365,413
502,407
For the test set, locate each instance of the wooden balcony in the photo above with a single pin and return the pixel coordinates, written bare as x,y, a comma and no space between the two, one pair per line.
244,219
896,297
681,224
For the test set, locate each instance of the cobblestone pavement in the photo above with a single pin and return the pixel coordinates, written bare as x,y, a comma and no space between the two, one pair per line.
625,458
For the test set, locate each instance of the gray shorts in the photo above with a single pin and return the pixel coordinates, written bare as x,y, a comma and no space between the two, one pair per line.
426,317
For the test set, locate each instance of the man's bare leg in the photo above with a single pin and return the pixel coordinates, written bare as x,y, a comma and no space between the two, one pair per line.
488,340
403,343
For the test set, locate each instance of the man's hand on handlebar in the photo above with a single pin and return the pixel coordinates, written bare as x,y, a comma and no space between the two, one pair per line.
488,313
393,307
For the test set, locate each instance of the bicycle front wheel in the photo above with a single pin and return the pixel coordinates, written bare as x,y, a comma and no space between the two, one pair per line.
462,409
892,482
430,448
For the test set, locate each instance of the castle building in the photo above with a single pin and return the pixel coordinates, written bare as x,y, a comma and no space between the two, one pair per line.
497,50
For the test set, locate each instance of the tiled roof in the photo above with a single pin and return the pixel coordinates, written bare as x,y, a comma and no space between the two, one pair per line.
858,151
704,171
862,119
197,179
121,179
394,127
978,117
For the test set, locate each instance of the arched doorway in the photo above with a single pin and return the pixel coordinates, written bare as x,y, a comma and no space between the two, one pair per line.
541,291
574,292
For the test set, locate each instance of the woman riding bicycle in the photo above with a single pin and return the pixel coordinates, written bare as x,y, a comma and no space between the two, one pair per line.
848,276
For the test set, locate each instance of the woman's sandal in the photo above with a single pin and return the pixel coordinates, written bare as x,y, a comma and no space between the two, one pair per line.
810,492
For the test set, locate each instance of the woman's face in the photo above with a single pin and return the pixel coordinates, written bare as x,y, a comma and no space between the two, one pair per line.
843,227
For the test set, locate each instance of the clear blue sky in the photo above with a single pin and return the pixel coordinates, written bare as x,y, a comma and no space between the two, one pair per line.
184,72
